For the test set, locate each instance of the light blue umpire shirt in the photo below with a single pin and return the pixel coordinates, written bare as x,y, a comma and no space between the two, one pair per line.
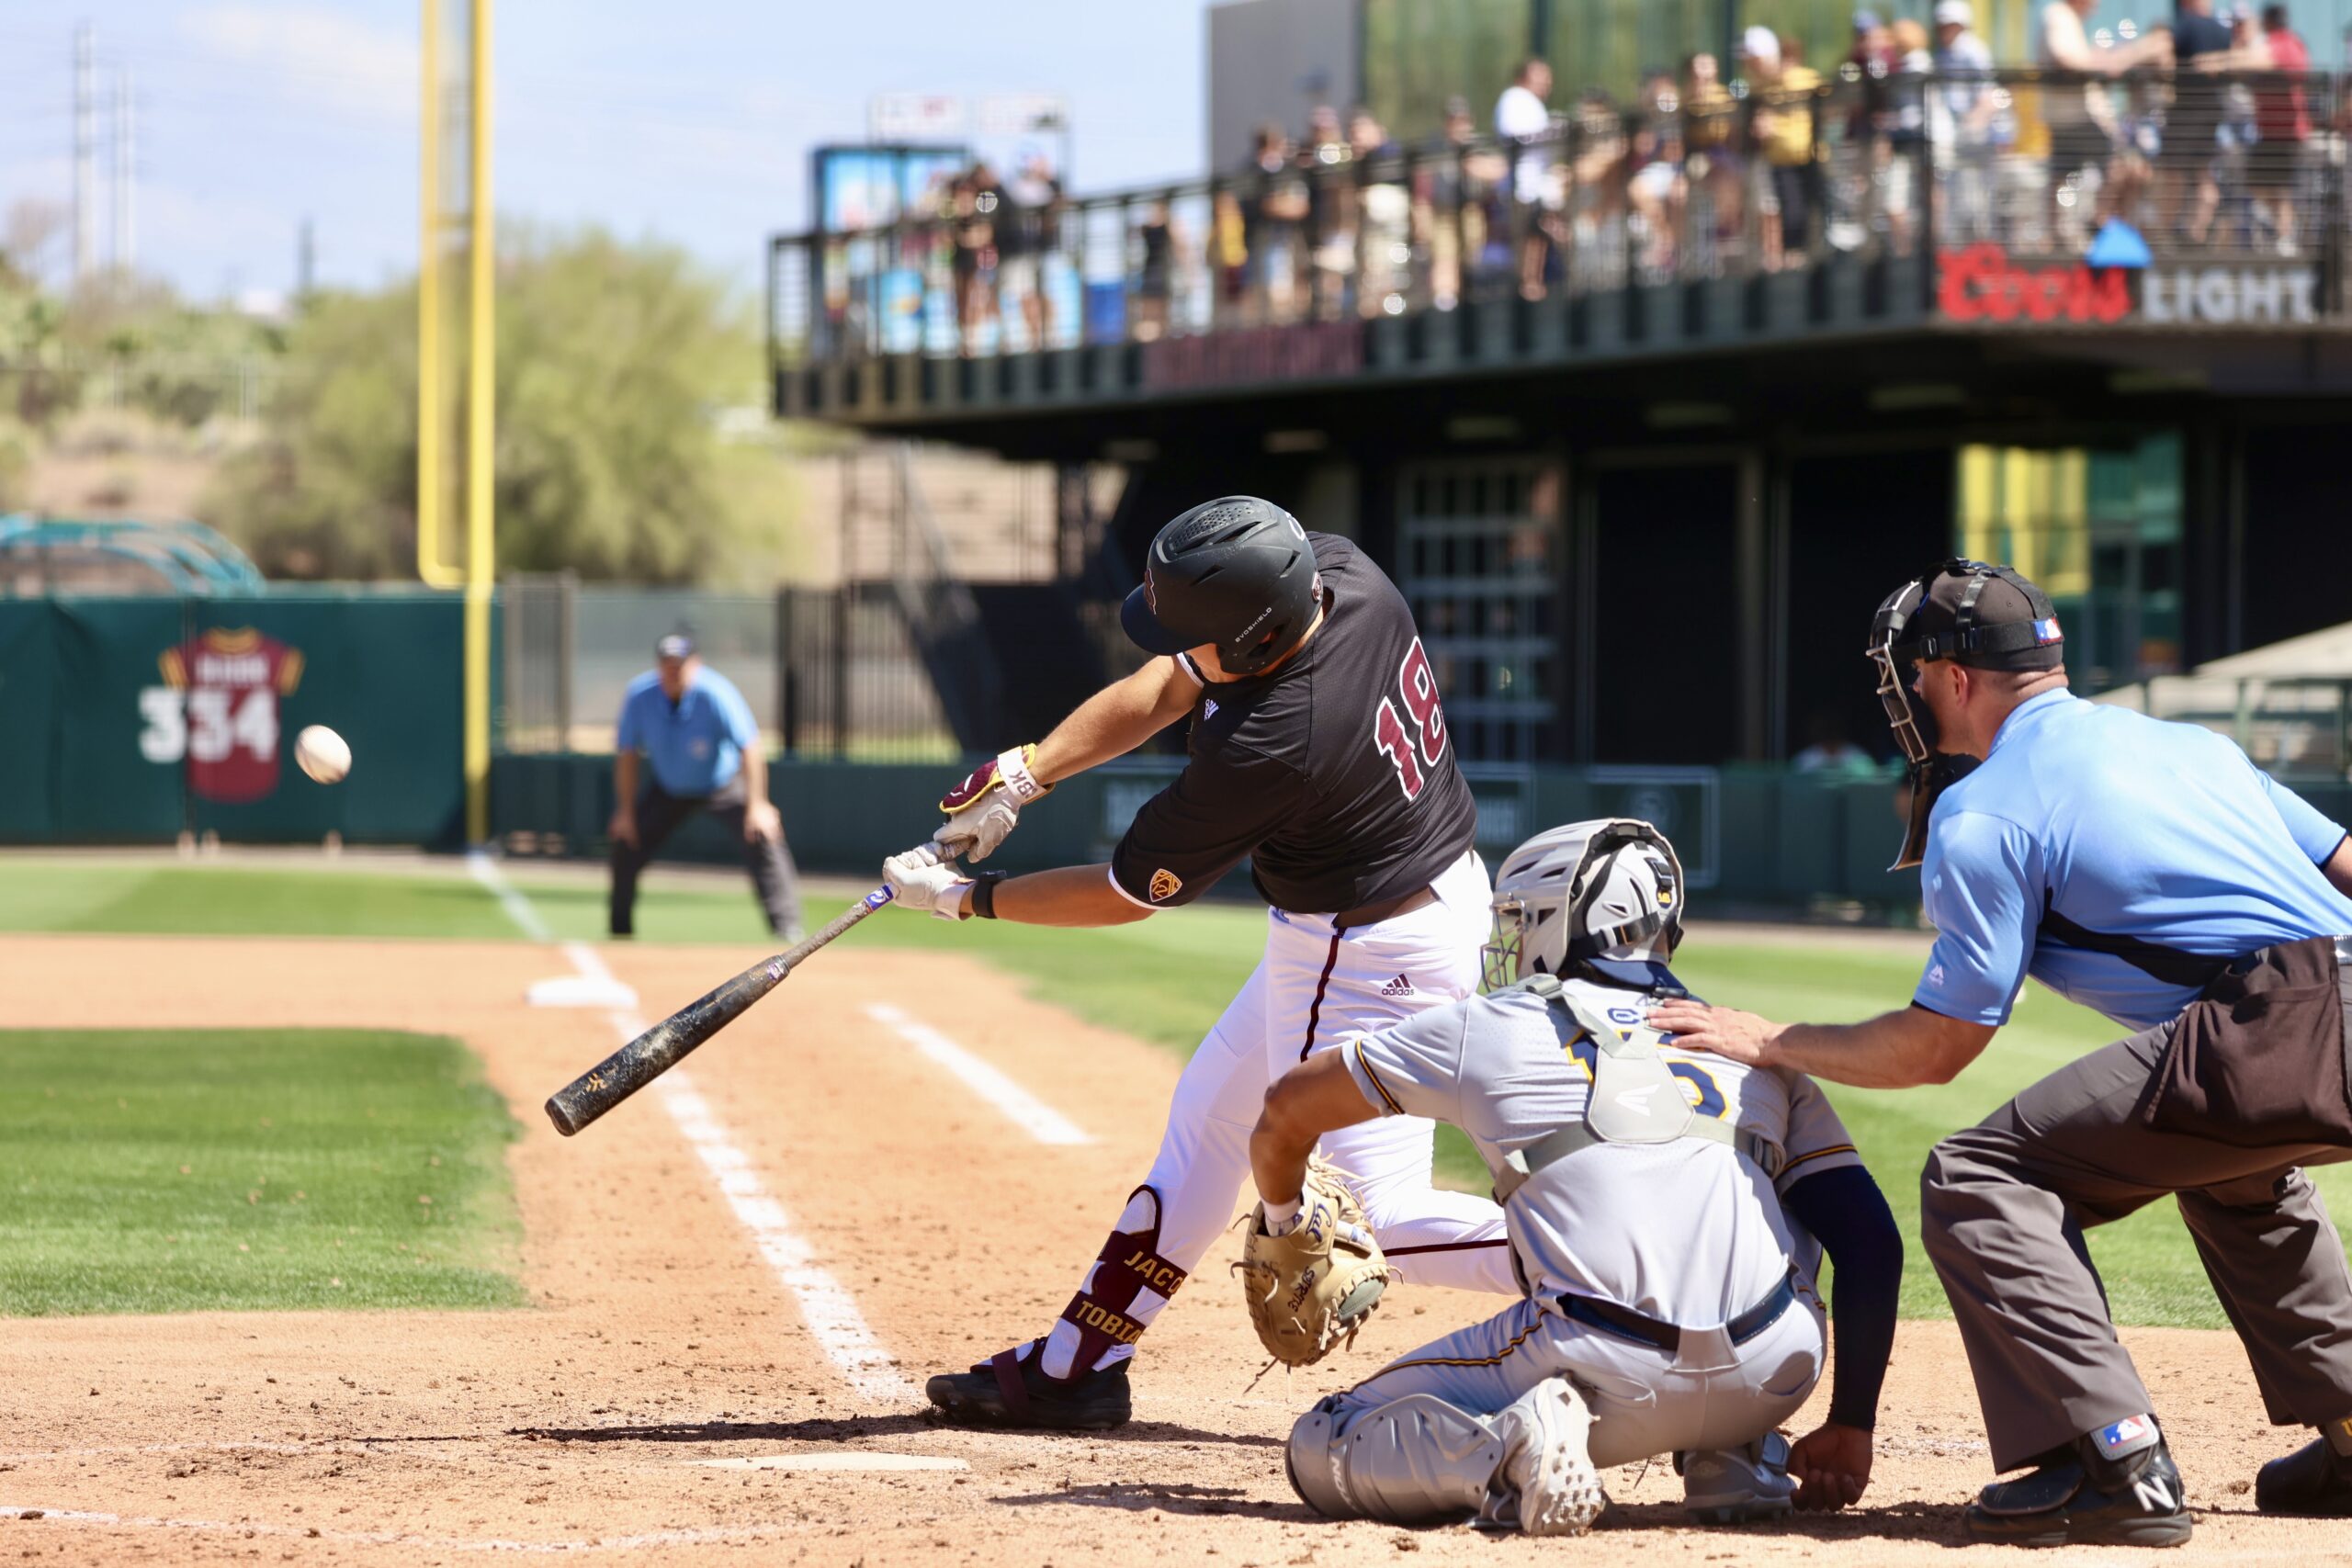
2125,827
695,746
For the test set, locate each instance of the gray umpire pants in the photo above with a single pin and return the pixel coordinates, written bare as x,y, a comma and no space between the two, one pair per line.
659,814
2003,1208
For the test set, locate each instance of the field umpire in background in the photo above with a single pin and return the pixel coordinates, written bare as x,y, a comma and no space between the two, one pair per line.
699,735
2149,870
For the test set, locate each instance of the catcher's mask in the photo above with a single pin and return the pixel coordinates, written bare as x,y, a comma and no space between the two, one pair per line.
1947,613
1577,897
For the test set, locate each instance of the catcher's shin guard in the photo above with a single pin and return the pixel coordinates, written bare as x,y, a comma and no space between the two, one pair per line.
1102,1314
1412,1461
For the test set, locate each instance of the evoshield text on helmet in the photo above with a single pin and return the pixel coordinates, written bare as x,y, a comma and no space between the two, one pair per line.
1609,889
1238,572
1940,614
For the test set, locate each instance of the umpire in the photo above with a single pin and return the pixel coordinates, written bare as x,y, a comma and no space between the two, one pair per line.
2149,870
697,733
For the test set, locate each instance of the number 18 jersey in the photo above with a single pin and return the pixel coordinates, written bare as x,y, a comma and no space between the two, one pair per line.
1335,774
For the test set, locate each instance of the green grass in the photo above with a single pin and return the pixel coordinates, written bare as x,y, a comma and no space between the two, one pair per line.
196,900
250,1169
1165,981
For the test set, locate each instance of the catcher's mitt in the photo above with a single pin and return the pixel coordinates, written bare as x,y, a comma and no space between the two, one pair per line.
1313,1286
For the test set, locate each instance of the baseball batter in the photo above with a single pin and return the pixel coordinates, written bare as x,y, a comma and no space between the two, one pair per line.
1319,750
1664,1212
2145,869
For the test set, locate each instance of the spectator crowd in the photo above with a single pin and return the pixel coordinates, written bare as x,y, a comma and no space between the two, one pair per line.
2196,129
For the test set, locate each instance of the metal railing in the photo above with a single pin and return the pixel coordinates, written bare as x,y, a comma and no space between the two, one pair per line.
1692,183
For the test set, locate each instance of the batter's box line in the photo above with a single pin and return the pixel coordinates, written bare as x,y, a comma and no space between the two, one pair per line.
712,1536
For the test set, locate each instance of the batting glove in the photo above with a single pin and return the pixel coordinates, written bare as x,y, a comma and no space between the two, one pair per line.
923,878
983,808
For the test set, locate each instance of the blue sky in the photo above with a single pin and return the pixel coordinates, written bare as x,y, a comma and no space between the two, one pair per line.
691,121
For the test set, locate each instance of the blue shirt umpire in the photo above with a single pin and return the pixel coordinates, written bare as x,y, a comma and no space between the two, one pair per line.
703,746
2149,870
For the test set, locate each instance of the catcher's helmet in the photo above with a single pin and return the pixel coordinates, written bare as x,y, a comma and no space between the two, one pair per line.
1236,572
1570,897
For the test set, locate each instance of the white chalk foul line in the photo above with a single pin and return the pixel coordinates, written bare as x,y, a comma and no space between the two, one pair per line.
832,1315
834,1461
518,909
1023,1109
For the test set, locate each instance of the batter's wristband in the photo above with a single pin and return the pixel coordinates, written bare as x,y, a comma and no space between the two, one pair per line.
1013,769
984,892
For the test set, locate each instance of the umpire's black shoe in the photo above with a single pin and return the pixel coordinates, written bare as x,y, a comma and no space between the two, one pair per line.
2314,1480
1013,1391
2117,1486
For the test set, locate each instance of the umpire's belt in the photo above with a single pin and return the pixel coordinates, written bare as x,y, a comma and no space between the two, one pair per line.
1628,1324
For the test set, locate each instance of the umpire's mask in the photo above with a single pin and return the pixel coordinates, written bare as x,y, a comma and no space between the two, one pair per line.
1987,617
1601,897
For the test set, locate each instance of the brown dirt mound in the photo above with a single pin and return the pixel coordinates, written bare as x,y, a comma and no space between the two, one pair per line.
662,1340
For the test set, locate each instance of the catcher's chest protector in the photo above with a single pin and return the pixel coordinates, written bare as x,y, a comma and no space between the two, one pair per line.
1635,1097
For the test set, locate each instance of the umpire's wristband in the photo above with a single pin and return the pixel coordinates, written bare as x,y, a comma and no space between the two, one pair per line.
984,892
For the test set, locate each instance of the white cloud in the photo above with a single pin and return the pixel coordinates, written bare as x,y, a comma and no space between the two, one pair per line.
318,59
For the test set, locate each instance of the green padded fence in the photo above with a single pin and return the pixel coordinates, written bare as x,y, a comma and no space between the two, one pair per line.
133,720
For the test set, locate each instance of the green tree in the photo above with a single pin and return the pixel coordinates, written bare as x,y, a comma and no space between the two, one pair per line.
614,361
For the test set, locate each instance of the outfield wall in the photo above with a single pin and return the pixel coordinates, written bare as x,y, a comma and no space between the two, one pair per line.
131,720
1750,835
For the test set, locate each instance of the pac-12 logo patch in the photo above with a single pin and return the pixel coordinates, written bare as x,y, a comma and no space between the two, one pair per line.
1165,885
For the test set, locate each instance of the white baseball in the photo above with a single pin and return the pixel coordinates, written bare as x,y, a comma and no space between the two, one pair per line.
321,753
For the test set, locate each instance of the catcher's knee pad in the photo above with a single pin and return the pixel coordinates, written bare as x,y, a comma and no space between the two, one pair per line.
1413,1461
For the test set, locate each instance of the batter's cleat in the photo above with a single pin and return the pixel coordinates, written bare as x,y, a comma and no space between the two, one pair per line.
2116,1486
2315,1481
1546,1485
1012,1390
1738,1486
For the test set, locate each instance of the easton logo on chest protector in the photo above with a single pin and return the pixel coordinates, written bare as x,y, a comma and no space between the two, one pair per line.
1634,1098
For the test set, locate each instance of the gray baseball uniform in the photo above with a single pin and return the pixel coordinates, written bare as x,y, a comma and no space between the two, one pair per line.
1689,1232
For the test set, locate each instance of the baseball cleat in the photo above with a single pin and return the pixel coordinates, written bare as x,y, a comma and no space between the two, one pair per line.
2315,1481
1011,1390
1546,1469
2116,1486
1738,1486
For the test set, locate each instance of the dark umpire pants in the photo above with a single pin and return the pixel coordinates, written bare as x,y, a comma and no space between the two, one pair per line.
2003,1205
659,815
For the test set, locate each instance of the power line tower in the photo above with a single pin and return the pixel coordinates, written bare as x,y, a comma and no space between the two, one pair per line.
86,172
124,254
455,225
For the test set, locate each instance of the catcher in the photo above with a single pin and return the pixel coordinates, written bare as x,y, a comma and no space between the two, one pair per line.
1667,1217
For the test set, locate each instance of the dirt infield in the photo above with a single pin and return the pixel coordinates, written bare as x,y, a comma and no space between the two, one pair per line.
667,1398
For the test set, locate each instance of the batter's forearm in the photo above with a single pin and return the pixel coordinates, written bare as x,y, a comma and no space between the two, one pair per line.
1114,721
1070,896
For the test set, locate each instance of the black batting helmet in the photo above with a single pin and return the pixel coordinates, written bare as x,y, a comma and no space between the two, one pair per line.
1236,572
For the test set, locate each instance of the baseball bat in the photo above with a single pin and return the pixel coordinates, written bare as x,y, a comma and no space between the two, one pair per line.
661,1047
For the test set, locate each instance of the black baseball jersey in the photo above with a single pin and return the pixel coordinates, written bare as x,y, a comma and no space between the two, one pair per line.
1333,773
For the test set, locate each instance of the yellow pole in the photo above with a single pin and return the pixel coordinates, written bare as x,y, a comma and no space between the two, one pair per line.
481,438
432,485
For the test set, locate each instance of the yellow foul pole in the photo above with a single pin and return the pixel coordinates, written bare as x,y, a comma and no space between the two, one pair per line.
431,474
481,557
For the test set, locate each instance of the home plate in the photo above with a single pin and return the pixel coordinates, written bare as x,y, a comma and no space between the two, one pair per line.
837,1458
582,991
